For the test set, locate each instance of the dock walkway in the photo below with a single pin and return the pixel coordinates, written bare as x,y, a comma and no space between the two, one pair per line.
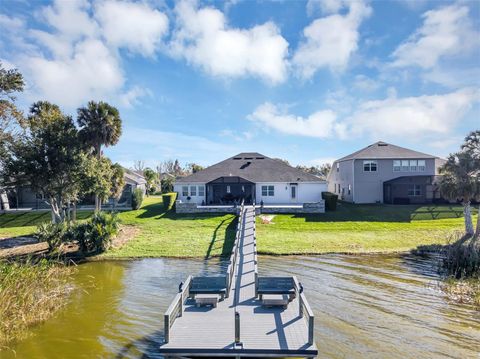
263,332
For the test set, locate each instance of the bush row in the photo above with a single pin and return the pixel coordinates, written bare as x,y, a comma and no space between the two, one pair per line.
169,200
331,200
93,236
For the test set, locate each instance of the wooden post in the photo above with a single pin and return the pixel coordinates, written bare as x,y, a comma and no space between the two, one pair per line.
237,328
167,327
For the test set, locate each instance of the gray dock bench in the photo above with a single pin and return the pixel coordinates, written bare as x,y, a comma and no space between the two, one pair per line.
276,286
207,299
208,285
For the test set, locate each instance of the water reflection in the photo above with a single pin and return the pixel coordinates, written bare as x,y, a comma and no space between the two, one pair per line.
366,306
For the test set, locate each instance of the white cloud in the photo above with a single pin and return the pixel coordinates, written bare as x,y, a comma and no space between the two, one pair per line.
134,26
330,41
325,6
447,31
321,161
70,18
75,57
92,72
133,95
8,23
391,118
415,117
321,124
203,37
365,83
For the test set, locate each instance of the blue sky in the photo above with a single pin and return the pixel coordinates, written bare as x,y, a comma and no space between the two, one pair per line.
307,81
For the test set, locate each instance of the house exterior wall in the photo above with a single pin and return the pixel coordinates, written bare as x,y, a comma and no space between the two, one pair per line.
368,186
305,192
178,187
339,182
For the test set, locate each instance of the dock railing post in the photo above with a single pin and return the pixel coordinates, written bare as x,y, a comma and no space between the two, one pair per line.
237,328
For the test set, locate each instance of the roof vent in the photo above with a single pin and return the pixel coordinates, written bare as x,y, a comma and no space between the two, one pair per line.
248,158
245,165
259,158
382,144
237,158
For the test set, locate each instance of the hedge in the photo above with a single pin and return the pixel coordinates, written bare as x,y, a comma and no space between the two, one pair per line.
330,200
137,198
169,200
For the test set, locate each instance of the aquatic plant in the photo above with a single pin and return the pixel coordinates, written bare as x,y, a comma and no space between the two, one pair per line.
29,294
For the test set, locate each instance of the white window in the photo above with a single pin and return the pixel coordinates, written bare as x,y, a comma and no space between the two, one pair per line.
228,189
193,191
421,165
349,189
413,165
414,190
201,191
339,188
370,166
268,191
185,191
335,190
338,166
397,164
405,166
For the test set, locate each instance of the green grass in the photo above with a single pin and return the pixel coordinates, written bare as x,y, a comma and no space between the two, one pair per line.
24,223
359,229
350,229
175,235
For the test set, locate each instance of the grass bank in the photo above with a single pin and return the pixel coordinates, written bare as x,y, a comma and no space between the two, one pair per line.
30,294
359,229
167,234
350,229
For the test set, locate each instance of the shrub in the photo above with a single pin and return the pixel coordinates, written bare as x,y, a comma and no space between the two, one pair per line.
331,200
137,198
96,234
52,233
462,257
169,200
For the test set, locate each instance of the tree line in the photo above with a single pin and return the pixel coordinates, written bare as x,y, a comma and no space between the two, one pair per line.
56,155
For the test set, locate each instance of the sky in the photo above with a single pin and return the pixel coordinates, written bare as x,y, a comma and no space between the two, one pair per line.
306,81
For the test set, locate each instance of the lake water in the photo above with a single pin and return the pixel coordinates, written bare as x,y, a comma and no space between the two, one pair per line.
372,306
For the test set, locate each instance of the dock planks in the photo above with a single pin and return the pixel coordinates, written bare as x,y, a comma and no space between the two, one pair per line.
264,332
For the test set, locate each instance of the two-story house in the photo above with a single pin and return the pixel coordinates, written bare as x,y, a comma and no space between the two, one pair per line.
385,173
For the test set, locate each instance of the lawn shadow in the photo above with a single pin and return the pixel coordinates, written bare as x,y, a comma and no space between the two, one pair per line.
347,212
228,238
157,211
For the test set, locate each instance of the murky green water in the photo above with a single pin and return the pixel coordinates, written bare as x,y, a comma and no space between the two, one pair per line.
366,307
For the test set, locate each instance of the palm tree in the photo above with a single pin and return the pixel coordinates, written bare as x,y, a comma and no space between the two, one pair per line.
472,146
460,181
100,125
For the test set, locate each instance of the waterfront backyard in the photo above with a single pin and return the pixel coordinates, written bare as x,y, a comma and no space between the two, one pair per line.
350,229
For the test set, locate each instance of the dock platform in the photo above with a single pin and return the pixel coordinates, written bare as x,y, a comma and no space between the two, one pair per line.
240,326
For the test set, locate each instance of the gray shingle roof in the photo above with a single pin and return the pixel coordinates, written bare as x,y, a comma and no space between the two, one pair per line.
381,149
253,167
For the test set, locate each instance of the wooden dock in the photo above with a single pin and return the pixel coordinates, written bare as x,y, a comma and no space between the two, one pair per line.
240,326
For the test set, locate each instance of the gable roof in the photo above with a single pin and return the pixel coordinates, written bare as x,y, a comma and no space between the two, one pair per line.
380,149
253,167
133,177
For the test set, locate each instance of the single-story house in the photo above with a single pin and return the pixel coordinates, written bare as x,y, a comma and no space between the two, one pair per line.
386,173
24,198
253,177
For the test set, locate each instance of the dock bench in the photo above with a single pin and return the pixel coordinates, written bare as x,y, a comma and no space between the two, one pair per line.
276,285
208,285
275,300
207,299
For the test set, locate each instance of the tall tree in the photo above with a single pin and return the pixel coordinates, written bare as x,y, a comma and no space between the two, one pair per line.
11,82
139,166
100,125
460,181
152,179
472,147
48,158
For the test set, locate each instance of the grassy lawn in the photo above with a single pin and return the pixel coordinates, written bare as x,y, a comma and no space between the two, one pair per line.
359,229
24,223
176,235
350,229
